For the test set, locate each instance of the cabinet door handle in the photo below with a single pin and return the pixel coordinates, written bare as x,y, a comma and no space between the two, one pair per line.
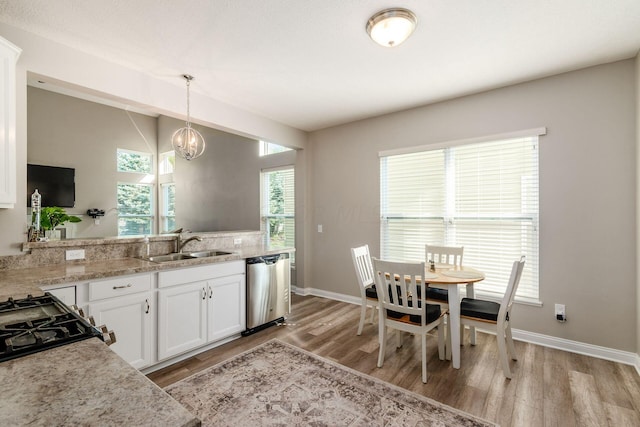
123,286
210,292
204,293
148,306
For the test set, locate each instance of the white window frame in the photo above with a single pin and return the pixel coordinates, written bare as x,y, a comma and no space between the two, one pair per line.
269,148
138,178
449,219
165,179
151,208
139,153
265,215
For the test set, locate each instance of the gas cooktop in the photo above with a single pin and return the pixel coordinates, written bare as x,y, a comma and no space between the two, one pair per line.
33,324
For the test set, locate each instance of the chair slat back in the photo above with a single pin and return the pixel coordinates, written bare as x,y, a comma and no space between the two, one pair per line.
444,254
399,285
362,264
512,287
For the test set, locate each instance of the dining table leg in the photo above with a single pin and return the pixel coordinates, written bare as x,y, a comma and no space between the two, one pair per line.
454,322
472,329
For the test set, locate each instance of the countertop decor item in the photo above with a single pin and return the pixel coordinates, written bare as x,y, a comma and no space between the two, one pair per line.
187,142
53,216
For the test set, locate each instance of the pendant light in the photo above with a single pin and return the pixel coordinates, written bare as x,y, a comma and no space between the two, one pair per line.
187,142
390,27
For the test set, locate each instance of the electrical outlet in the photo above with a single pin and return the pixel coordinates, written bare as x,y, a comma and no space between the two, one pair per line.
237,241
561,314
319,228
74,254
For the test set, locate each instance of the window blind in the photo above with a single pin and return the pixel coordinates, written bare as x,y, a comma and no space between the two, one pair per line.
278,206
483,196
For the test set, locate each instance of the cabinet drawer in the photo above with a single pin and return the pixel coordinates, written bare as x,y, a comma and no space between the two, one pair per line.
200,273
119,286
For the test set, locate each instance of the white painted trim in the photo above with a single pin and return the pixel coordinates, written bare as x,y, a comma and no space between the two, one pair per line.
625,357
446,144
172,360
326,294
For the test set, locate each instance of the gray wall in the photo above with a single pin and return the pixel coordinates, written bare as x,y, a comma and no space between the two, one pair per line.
69,132
221,189
637,64
587,192
78,71
218,191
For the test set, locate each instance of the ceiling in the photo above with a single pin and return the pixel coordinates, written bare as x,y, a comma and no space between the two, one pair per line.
310,64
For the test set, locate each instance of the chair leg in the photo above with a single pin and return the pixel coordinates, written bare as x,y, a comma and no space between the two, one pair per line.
373,312
461,334
363,314
424,358
502,350
399,334
382,333
510,346
441,339
448,344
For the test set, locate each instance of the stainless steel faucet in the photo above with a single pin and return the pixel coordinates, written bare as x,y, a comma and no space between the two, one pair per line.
180,244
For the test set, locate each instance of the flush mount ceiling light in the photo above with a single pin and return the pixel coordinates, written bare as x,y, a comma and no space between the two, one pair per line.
390,27
187,142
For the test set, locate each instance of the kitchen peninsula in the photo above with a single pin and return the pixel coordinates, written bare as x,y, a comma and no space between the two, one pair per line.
86,382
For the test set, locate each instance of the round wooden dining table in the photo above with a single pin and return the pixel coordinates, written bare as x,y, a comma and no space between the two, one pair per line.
450,277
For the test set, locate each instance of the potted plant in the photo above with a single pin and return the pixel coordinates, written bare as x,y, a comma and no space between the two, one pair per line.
53,216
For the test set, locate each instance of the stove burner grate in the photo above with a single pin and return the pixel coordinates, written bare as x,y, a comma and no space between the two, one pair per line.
24,334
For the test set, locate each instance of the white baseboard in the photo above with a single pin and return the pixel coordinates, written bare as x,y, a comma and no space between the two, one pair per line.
625,357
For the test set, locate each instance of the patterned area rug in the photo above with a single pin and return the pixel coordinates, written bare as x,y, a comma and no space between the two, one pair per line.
277,384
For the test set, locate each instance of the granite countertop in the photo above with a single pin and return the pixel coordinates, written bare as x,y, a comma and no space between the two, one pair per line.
86,383
83,383
20,282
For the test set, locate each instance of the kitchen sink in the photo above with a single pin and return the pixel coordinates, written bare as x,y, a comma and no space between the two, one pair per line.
204,254
177,256
169,257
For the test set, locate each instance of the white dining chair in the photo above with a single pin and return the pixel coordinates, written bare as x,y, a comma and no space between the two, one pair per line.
451,255
364,272
496,317
403,310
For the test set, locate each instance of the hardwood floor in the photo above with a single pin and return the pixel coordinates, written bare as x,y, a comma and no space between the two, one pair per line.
549,388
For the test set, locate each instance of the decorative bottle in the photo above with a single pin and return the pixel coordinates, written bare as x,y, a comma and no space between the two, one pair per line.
36,199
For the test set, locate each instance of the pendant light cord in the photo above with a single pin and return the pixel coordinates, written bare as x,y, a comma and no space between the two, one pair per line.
188,78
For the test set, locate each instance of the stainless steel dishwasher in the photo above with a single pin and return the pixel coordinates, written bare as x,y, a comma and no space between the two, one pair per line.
268,291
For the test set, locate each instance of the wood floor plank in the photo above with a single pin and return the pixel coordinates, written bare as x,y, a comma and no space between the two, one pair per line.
530,389
549,387
557,390
587,402
558,415
621,417
631,380
604,373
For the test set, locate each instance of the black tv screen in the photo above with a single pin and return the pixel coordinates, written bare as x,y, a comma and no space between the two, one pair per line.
56,185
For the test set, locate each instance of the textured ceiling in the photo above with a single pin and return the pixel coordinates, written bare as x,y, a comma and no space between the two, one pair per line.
310,64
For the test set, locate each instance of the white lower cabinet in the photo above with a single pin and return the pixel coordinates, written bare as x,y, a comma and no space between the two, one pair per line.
182,319
226,311
126,306
156,316
131,319
197,308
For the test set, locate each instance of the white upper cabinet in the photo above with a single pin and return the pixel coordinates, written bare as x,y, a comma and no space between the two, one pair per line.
9,54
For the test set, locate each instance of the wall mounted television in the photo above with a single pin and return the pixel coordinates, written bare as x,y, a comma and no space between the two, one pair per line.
56,185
